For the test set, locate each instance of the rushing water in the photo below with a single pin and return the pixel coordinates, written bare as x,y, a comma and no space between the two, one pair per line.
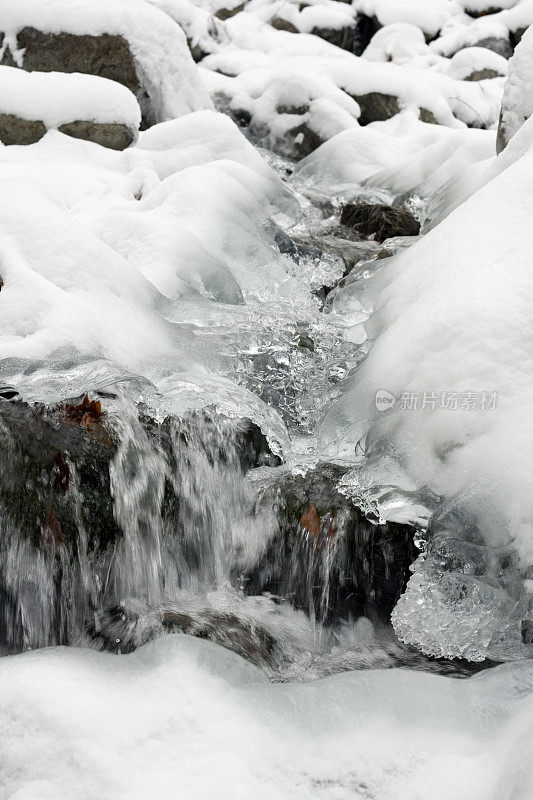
194,524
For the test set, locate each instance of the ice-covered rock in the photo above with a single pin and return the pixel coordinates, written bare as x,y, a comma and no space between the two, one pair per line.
83,106
125,40
517,102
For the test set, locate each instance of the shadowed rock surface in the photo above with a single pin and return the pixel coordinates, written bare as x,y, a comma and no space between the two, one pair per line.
382,222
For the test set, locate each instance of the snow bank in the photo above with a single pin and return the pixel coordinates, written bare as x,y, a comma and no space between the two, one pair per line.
398,156
164,64
517,102
451,342
183,715
56,98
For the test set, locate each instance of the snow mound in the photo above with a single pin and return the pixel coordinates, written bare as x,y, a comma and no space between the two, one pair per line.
399,156
56,98
163,62
185,713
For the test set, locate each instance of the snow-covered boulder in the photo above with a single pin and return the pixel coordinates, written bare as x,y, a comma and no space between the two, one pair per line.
517,103
82,106
477,64
128,41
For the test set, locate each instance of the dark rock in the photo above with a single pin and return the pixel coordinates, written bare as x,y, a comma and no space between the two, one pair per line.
497,44
106,55
112,135
283,25
427,116
123,628
227,13
482,75
366,27
516,36
345,38
475,13
57,504
300,141
15,130
376,107
327,557
379,221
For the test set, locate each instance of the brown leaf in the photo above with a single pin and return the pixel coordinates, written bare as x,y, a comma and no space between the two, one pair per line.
85,413
310,522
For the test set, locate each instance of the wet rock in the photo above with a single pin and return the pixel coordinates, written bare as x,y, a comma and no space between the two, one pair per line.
301,141
105,55
42,447
124,628
327,557
376,107
381,222
58,508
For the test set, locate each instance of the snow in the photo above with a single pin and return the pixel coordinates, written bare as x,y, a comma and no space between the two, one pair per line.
265,73
430,17
56,98
400,155
164,64
517,102
182,716
450,315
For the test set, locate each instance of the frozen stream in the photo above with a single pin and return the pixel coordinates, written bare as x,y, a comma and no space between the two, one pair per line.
184,508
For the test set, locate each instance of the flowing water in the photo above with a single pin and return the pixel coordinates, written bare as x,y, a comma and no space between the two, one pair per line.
193,507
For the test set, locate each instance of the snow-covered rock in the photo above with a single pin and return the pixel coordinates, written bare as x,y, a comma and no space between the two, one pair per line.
126,40
83,106
517,102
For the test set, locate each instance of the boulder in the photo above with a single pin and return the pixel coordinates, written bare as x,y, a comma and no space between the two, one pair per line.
125,627
60,517
144,50
497,45
81,106
381,222
376,107
327,557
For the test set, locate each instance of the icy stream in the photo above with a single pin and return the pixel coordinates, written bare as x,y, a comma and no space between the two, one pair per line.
206,450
